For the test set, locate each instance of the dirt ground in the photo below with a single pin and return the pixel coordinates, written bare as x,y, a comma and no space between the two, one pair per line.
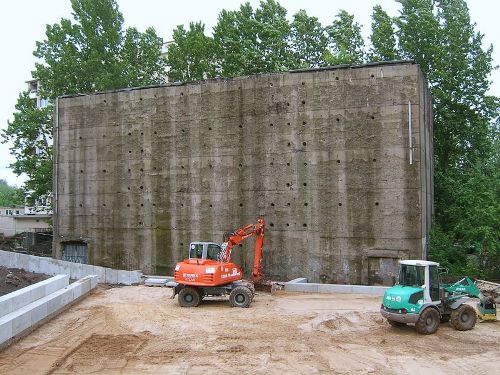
12,279
139,330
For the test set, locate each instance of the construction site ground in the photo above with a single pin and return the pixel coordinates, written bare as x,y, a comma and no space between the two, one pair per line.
138,329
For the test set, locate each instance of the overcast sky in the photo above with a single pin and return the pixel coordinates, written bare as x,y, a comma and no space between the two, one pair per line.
23,22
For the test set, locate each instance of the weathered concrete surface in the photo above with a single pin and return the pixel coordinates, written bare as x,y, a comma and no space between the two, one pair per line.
323,155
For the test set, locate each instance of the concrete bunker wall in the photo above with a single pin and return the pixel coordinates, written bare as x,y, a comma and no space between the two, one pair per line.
323,155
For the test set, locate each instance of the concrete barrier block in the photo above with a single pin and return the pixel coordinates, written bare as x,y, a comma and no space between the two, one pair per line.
135,277
111,276
93,281
60,281
58,300
5,305
22,261
101,274
298,280
38,310
123,277
21,320
33,264
5,329
20,298
4,258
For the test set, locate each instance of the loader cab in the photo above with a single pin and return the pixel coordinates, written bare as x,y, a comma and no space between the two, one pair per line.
421,274
204,250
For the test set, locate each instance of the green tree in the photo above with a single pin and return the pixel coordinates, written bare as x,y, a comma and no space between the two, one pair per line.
191,56
345,41
251,42
91,53
308,41
383,37
30,133
441,38
10,196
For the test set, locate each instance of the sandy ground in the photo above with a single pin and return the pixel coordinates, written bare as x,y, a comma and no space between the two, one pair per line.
139,330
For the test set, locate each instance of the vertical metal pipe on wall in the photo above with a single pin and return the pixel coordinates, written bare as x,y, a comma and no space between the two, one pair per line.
410,138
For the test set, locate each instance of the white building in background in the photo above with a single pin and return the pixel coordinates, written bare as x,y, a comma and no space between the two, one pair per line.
14,220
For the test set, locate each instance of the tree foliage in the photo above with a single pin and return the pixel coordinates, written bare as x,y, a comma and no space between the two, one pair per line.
191,56
346,41
10,196
309,41
383,37
90,53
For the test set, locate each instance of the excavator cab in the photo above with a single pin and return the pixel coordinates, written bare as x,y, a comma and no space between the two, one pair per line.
204,250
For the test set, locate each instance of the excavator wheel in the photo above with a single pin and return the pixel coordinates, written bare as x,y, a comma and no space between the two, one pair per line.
428,321
241,296
189,297
463,318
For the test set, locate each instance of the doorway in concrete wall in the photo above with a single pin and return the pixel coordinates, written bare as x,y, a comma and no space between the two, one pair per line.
382,271
75,252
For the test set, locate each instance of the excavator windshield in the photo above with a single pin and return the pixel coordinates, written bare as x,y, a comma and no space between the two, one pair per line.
410,275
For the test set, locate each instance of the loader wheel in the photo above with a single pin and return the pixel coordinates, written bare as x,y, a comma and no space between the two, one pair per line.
428,321
463,318
240,296
189,297
395,324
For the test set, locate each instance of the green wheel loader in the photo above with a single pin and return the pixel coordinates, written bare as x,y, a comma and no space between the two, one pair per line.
420,298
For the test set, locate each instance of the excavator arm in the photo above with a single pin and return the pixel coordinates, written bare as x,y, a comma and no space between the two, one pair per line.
235,238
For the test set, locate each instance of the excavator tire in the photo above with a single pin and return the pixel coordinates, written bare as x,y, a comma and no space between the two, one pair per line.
428,321
395,324
463,318
189,297
241,296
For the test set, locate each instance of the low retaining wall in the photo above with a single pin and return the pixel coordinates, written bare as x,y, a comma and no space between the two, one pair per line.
25,319
22,297
301,285
49,266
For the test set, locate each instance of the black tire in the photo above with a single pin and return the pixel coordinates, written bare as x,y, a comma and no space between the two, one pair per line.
463,318
189,297
445,318
241,296
395,324
428,321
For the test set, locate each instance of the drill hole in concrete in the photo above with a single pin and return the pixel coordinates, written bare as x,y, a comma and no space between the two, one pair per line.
182,94
271,124
289,144
81,170
374,160
288,164
240,165
129,170
287,104
241,204
140,222
288,184
182,244
80,137
287,224
373,117
288,204
210,166
182,167
372,76
142,170
305,164
141,187
271,224
304,225
271,164
211,206
306,204
128,187
272,204
288,123
240,126
338,161
103,171
338,120
209,128
305,184
304,144
376,203
155,132
340,204
142,151
142,204
142,133
271,84
303,83
182,204
154,204
304,123
81,205
140,99
240,245
336,78
128,205
182,130
129,151
303,102
104,135
105,101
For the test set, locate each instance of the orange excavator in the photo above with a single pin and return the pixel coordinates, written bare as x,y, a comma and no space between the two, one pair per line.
209,271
